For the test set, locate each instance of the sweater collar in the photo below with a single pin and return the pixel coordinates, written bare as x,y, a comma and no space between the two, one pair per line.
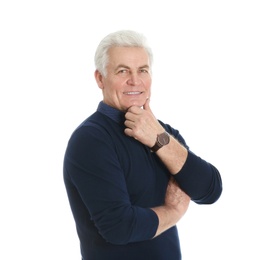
113,113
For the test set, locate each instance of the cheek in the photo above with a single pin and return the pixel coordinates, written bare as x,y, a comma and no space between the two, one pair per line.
111,88
148,84
114,83
106,85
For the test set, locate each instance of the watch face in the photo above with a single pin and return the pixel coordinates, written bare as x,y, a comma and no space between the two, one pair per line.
164,138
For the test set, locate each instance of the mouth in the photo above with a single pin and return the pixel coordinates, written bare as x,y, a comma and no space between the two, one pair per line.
130,93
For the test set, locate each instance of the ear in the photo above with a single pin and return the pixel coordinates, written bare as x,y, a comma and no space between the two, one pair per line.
99,79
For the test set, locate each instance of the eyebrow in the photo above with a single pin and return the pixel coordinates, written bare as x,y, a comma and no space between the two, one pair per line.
127,67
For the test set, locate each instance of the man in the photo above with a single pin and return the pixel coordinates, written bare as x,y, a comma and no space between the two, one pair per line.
130,177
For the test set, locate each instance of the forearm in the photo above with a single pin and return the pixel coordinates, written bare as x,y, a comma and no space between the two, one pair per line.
198,178
173,155
168,217
175,206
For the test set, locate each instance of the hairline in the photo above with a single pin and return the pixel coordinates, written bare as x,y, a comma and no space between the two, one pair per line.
123,38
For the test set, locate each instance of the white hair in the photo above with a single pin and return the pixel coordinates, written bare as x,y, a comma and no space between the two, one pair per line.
123,38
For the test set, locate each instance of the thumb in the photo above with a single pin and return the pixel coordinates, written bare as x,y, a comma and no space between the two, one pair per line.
146,104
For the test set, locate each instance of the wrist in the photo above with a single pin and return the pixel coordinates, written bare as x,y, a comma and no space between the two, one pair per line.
161,140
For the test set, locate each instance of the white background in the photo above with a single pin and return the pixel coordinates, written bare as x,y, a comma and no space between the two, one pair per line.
213,80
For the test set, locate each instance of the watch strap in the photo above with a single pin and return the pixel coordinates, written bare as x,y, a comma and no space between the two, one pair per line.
162,139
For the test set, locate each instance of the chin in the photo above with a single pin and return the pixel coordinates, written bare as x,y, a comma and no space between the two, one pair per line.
137,104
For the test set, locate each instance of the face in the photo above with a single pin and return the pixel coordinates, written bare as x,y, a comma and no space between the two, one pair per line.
128,80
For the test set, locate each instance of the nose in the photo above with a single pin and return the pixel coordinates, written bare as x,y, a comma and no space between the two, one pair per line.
134,79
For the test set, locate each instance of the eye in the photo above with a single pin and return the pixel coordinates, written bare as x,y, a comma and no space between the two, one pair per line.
143,70
122,71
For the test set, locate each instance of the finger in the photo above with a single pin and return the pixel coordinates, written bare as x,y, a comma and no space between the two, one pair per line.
134,110
130,124
128,131
130,116
146,105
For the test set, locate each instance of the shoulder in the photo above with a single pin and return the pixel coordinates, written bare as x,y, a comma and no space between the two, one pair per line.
93,129
92,138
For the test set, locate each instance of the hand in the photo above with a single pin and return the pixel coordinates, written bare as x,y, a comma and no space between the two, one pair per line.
176,198
175,205
142,125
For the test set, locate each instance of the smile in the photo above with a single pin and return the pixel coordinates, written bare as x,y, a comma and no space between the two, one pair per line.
132,93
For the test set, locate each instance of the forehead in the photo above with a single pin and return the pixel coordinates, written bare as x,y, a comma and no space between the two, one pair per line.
128,56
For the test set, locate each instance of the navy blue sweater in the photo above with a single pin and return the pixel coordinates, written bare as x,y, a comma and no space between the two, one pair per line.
113,180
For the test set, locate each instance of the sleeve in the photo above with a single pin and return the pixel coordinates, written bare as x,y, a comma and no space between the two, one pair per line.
198,178
93,167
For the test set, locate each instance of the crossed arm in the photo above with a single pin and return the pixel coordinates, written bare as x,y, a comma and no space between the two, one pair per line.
142,125
116,219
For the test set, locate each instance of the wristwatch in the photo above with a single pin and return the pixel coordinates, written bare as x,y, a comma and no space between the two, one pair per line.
162,139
